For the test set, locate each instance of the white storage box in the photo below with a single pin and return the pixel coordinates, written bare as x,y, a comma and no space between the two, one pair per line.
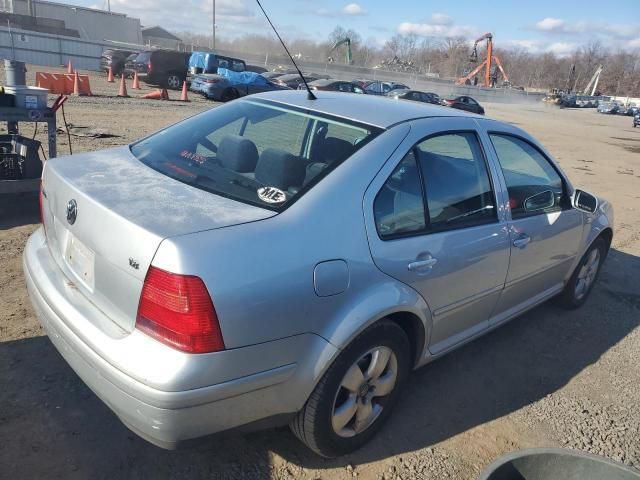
33,98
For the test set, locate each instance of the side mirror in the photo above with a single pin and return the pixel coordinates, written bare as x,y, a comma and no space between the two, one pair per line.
539,201
585,201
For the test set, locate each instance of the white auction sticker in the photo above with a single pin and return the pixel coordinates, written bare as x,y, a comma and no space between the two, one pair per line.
271,195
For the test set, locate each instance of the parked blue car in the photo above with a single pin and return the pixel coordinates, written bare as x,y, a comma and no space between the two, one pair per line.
227,85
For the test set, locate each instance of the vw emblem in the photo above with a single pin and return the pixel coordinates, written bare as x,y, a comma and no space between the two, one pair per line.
72,211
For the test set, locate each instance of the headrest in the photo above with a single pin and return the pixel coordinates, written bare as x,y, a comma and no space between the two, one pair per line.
334,150
238,154
280,169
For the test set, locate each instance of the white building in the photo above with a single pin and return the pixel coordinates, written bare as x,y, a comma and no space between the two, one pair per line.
91,24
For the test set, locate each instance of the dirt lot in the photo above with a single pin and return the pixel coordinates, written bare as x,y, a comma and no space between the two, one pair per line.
549,378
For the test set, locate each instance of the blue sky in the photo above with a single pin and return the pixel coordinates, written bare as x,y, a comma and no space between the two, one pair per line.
540,25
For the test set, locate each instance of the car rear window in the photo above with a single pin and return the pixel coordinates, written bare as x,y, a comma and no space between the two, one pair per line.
254,151
143,57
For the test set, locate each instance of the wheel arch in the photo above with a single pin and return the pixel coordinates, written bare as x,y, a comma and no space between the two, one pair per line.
414,329
392,301
607,235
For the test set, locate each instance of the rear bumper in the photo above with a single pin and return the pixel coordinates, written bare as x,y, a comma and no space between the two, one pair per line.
167,416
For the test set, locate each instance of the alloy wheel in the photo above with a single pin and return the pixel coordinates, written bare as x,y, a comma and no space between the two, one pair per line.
587,274
361,395
173,81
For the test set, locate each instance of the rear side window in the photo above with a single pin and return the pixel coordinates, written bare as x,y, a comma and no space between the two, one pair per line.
254,151
533,184
441,184
399,206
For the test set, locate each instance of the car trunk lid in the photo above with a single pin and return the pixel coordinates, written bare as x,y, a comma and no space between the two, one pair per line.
105,214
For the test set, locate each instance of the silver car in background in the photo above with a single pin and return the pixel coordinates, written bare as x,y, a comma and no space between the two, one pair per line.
284,260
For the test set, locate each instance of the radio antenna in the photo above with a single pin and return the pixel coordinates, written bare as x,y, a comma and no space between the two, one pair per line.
310,94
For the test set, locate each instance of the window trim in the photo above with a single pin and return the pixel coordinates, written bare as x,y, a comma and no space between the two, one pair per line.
428,228
565,204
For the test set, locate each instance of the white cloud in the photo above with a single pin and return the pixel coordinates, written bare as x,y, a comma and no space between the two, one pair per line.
635,43
532,46
562,49
550,24
436,30
353,9
441,19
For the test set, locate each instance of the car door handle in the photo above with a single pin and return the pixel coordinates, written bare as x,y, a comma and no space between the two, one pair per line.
422,264
522,241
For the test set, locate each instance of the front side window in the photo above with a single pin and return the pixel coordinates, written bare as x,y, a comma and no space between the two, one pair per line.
254,151
533,184
374,87
456,180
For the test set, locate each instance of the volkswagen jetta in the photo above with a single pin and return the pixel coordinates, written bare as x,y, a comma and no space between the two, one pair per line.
285,260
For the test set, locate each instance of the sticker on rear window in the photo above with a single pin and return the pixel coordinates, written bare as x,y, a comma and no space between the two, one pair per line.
271,195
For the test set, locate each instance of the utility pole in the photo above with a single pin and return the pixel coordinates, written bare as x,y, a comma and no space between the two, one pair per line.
213,43
109,6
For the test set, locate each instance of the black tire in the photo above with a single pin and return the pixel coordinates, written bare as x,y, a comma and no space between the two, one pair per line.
313,424
229,94
569,297
173,81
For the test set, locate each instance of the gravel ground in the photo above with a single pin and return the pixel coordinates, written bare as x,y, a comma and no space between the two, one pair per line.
549,378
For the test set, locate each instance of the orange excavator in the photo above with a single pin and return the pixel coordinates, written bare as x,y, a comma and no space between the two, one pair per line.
490,73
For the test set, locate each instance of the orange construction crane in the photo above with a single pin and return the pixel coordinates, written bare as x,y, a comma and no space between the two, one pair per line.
487,64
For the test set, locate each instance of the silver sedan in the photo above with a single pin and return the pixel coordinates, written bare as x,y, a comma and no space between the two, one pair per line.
284,260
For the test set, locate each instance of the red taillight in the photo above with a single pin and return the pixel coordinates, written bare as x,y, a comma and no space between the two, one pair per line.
177,310
149,67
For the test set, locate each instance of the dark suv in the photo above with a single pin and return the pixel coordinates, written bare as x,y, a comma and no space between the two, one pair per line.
166,68
114,59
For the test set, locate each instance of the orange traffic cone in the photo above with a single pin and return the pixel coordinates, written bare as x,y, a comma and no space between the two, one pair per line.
155,95
165,94
76,84
110,78
69,67
136,82
122,92
183,96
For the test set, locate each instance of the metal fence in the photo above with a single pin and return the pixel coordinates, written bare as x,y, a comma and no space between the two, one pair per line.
45,49
53,50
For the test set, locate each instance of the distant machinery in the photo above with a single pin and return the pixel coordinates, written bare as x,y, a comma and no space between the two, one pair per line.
347,43
594,82
572,73
490,70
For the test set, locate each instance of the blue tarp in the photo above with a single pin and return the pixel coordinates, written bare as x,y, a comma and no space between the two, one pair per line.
201,60
242,78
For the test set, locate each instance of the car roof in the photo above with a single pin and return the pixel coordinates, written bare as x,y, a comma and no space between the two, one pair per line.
291,76
375,110
328,81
